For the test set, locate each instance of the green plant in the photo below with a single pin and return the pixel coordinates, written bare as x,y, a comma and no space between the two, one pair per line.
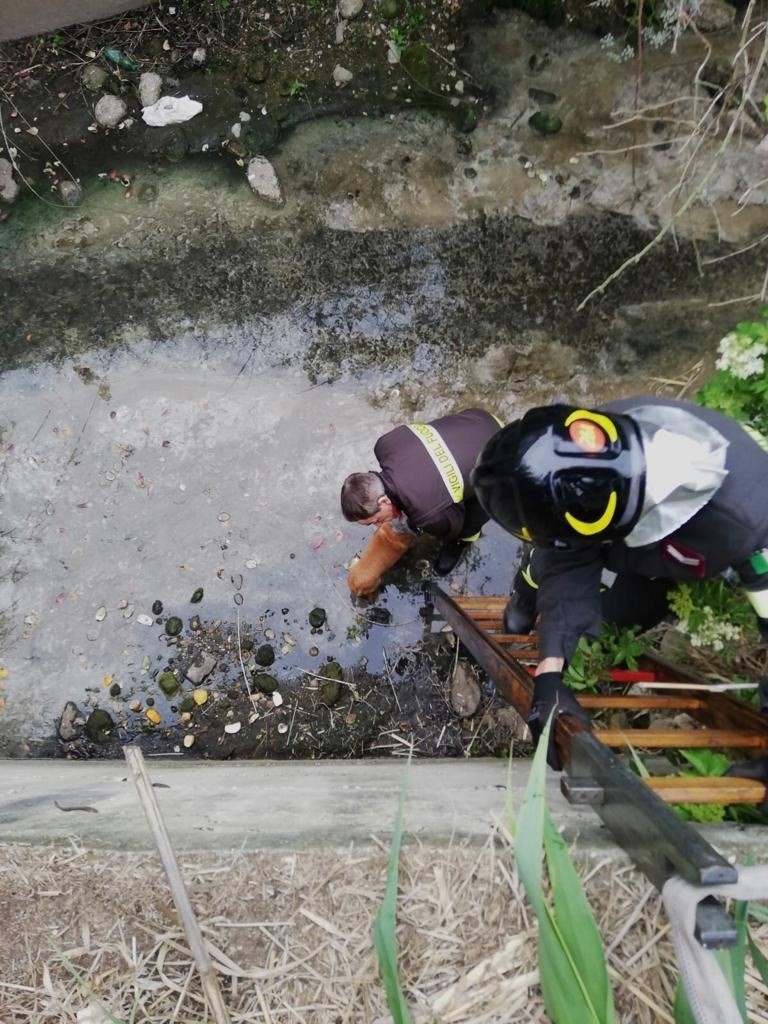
572,968
593,658
398,39
297,88
739,387
384,927
713,615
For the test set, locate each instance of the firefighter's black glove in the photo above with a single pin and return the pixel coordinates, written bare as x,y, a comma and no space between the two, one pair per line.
549,691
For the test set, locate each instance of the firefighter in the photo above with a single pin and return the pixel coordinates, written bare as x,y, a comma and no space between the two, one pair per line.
617,505
422,486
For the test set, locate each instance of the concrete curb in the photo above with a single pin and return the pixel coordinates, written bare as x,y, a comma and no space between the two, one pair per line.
292,805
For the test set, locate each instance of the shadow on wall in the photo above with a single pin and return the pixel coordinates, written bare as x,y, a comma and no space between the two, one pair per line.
18,20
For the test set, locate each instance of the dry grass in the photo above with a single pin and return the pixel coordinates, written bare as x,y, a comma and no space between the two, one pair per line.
290,934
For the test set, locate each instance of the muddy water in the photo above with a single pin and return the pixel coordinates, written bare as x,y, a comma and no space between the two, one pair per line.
154,473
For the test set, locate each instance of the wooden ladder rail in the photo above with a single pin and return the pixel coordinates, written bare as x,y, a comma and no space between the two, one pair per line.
635,811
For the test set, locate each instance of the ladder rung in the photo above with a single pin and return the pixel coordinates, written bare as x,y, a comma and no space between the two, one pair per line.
639,703
723,790
679,738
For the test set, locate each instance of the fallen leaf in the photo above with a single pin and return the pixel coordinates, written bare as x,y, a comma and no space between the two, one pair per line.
107,681
199,696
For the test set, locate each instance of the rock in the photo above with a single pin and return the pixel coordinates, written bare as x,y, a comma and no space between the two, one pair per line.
265,655
543,97
168,683
170,110
201,667
391,9
264,682
173,626
545,123
197,597
199,55
263,180
71,723
512,725
465,690
93,77
257,71
9,189
317,618
378,615
99,726
70,192
150,87
712,15
330,691
350,8
115,690
157,607
341,76
110,110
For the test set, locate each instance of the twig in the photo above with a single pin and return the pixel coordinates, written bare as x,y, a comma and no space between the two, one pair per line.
389,677
179,892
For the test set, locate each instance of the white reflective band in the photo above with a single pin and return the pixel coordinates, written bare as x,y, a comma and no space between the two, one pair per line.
756,436
759,601
441,455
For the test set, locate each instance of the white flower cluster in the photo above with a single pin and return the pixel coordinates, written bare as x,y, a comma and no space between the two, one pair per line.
712,633
741,356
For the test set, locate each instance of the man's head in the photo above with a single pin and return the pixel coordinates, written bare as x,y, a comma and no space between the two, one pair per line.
563,476
364,500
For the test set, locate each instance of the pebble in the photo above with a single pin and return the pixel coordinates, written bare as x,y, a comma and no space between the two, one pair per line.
93,77
101,614
233,727
201,667
238,598
188,740
70,192
277,698
252,563
263,180
223,517
197,597
157,607
150,87
128,611
145,620
109,110
282,728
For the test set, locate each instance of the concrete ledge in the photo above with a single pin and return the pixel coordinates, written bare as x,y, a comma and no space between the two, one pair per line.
294,805
18,20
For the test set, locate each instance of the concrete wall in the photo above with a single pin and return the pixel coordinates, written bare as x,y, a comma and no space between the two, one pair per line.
20,18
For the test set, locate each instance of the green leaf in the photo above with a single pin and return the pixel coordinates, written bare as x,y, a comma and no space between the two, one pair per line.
682,1010
574,982
384,927
576,924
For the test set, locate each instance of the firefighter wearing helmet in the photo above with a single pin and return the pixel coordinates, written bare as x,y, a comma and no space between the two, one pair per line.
617,504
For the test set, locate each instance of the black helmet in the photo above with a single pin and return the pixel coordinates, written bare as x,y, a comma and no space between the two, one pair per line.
563,476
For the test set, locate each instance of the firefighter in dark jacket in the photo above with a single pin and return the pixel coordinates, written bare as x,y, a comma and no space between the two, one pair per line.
619,504
422,486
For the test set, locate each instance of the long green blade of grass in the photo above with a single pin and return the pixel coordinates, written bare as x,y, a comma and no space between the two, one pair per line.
384,927
733,961
574,979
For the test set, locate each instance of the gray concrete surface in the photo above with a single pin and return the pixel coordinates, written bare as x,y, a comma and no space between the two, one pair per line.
253,804
25,19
